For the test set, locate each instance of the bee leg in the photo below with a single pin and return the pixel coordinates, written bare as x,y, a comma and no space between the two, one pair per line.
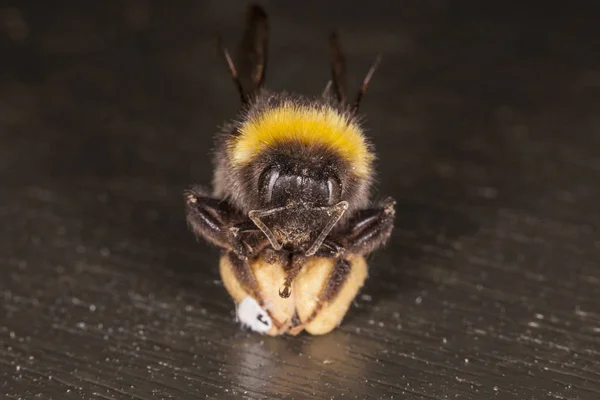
370,228
214,220
335,283
330,249
336,280
245,276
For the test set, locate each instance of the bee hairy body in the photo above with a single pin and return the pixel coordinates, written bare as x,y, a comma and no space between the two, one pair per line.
309,169
290,205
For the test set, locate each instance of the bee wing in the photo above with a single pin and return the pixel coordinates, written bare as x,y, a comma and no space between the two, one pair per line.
365,84
338,73
338,68
251,57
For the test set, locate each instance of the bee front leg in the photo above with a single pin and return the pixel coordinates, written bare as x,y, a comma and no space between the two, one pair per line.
217,222
367,230
370,228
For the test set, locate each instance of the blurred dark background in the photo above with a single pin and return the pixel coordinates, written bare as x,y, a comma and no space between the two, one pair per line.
485,118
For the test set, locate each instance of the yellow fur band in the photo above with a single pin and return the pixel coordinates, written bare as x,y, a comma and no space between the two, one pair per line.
306,125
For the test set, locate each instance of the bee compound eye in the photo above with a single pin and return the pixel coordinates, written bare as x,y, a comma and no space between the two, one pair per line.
334,188
267,182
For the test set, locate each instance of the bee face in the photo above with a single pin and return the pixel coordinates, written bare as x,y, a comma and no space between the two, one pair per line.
307,182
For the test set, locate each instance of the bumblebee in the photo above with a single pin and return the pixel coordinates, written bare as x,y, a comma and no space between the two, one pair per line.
290,204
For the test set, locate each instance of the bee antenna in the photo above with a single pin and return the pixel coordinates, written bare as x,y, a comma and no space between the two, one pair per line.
365,83
236,80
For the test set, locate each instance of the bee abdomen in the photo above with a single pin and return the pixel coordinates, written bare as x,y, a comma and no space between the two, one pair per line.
320,297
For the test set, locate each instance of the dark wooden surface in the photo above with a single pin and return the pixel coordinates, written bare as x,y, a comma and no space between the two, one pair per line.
486,120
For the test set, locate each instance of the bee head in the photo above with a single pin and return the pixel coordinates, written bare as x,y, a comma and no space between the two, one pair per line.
290,149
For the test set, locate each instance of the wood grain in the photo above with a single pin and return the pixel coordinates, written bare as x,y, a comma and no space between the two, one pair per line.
487,129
